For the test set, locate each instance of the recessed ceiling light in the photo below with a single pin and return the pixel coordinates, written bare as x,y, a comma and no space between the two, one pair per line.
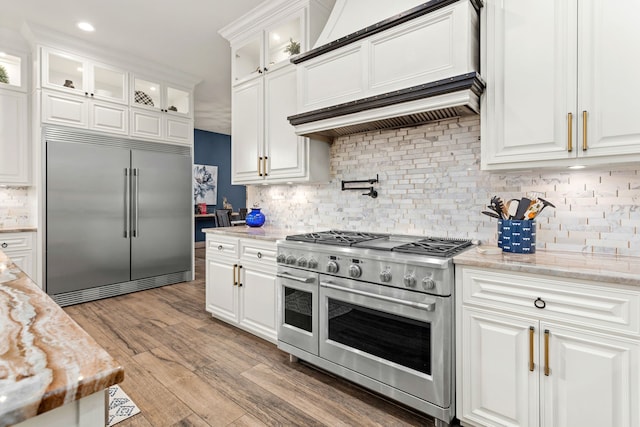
577,167
85,26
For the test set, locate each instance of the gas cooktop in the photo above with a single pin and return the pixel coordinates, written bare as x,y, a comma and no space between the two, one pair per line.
431,246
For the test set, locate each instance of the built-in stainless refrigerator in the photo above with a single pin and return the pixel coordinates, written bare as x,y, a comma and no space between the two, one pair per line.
118,215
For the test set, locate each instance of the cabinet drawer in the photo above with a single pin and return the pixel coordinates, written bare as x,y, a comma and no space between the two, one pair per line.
15,242
256,253
583,302
220,246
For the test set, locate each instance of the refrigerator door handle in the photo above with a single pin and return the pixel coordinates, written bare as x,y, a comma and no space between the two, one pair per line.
136,175
127,202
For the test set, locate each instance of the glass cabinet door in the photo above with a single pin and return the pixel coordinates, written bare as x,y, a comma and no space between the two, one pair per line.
247,60
64,71
109,83
10,69
147,94
177,101
283,41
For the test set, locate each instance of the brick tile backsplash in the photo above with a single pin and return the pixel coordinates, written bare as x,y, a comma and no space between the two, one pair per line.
15,207
431,184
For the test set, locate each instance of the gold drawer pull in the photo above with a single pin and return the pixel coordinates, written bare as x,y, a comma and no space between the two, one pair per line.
546,352
531,334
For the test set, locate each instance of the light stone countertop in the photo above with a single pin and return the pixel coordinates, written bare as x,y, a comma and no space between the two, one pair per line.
261,233
17,229
596,267
46,359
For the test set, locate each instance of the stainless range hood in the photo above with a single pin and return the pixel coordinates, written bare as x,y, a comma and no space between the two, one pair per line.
418,66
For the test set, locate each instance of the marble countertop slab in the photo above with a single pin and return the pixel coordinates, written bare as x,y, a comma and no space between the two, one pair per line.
261,233
17,229
595,267
46,359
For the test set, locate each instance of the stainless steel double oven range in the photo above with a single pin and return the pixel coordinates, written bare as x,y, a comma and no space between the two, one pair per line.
376,309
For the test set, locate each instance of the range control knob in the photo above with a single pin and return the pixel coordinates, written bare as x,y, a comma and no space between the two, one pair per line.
312,263
332,267
291,259
385,276
428,283
302,262
409,280
281,258
355,271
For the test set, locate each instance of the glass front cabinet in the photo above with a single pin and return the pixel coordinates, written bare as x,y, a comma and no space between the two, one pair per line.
269,49
80,76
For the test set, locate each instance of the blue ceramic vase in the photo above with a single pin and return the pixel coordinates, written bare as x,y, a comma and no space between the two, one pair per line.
255,218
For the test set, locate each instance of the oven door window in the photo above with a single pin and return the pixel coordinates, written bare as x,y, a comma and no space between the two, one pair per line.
397,339
298,311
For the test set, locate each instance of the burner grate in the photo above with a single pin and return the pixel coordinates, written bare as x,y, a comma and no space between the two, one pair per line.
336,237
434,246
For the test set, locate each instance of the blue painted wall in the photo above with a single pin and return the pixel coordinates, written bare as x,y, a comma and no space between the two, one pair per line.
210,148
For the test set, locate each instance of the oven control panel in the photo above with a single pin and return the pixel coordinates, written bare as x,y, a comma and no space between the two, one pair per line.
390,271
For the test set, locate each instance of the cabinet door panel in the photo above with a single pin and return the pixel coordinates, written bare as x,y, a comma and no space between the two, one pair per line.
14,145
284,148
64,110
499,388
178,130
146,124
608,78
531,80
247,131
221,294
593,380
258,302
109,118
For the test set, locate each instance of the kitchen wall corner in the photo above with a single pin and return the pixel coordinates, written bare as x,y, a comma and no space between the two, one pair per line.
431,184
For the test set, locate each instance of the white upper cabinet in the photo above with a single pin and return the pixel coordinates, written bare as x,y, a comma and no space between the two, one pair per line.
154,95
12,70
81,92
560,83
265,147
15,151
268,49
80,76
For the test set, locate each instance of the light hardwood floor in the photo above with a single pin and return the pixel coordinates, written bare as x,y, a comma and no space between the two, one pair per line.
185,368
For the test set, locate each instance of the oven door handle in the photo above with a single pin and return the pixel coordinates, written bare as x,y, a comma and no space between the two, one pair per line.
427,307
285,275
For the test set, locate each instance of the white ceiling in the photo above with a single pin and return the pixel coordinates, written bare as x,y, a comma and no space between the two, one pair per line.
180,34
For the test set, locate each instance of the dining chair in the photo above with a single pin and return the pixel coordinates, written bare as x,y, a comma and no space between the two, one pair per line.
243,213
223,217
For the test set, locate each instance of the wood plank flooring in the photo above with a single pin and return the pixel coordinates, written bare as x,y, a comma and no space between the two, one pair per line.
185,368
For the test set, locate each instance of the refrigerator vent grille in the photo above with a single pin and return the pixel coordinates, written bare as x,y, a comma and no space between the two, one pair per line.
86,295
81,137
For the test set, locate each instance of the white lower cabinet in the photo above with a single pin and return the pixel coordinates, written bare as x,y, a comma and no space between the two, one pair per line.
520,365
20,247
241,284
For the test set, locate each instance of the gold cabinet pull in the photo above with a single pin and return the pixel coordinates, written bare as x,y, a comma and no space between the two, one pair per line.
235,280
546,352
264,165
584,131
531,334
569,132
239,282
259,166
